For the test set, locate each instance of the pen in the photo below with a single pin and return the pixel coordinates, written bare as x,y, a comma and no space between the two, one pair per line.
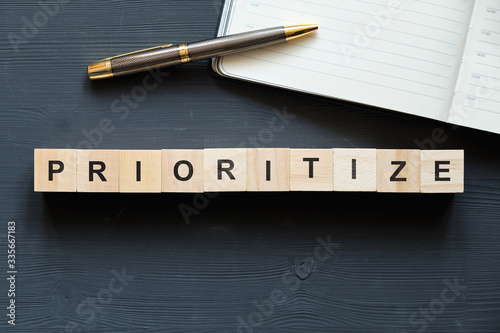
170,55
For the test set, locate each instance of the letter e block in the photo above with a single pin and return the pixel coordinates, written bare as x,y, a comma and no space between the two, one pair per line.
355,170
311,169
140,171
55,170
398,170
268,169
97,170
182,170
442,171
225,170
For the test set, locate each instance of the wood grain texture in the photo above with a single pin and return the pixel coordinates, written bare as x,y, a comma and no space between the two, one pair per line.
395,253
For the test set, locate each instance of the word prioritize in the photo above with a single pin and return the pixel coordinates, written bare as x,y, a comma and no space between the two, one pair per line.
241,169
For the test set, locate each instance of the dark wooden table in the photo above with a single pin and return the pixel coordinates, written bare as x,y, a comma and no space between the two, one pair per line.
240,262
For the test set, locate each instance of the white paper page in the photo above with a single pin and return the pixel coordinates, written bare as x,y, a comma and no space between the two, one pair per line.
477,103
396,54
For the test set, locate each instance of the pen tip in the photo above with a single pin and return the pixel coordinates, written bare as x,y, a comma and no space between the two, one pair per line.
294,31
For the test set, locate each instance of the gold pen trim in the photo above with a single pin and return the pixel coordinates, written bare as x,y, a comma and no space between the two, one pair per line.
184,53
102,69
139,51
295,31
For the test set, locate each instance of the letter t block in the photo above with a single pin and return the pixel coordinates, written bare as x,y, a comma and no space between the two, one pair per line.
311,169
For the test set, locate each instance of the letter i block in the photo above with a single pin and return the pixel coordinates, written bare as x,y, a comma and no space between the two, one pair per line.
268,169
182,170
442,171
398,170
55,170
225,170
97,170
140,171
355,170
311,169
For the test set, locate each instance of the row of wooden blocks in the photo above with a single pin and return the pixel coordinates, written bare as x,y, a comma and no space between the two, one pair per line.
241,169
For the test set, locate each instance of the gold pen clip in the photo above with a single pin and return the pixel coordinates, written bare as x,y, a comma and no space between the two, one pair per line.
102,69
130,53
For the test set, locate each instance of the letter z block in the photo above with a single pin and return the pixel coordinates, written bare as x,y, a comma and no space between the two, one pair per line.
442,171
140,171
398,170
225,170
97,170
311,169
182,170
55,170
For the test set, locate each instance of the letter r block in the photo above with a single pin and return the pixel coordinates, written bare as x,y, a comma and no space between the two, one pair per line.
97,170
442,171
182,170
311,169
398,170
55,170
140,171
225,170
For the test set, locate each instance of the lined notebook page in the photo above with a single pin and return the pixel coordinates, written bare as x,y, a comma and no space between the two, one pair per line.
400,55
477,103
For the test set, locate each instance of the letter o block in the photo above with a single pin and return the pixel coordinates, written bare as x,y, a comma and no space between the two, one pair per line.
182,170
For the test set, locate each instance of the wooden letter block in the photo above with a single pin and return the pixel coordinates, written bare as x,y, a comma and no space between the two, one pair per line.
140,171
398,170
311,169
355,170
442,171
97,170
182,170
268,169
55,170
225,170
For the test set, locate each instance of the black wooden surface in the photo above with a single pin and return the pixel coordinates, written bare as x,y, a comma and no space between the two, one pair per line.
241,262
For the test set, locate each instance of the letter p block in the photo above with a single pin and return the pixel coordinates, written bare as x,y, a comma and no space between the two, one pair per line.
55,170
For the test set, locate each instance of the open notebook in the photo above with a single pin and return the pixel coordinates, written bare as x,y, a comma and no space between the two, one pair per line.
436,59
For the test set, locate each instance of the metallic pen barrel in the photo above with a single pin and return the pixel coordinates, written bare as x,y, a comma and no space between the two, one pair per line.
169,55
